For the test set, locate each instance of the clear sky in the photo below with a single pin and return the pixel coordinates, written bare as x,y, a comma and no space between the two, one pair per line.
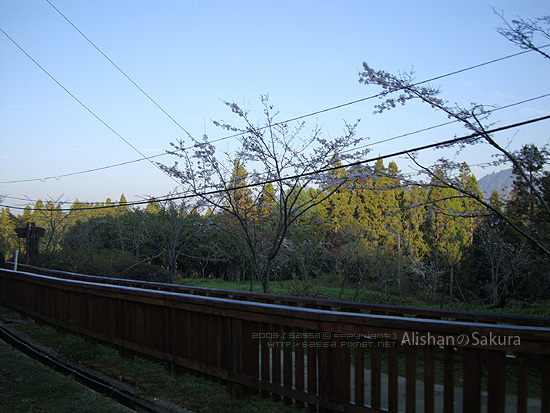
189,56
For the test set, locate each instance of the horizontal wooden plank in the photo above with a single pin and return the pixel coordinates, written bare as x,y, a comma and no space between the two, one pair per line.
411,331
309,302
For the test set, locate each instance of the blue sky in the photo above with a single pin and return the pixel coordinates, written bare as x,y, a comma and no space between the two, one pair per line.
189,56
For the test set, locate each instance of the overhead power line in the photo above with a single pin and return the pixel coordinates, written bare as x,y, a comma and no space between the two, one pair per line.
101,168
298,117
378,95
33,201
353,102
118,68
143,157
291,119
447,123
57,177
83,105
305,174
402,175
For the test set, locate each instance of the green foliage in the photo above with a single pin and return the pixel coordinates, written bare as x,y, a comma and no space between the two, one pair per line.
8,238
431,242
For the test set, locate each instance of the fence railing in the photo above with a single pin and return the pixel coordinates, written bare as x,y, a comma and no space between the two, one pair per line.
325,359
321,304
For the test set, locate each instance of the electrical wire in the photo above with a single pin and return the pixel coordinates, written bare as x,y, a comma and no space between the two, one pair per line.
34,201
84,106
304,174
446,123
238,134
416,84
298,117
101,168
57,177
382,94
119,69
143,157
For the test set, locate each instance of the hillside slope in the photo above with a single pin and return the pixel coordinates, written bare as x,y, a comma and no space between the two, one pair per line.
501,181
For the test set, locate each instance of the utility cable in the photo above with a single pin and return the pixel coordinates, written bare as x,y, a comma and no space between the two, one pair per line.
84,106
445,123
118,68
414,84
311,173
381,94
101,168
57,177
238,134
298,117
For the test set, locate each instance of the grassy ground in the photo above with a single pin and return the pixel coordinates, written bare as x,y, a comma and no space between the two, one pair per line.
314,288
330,289
28,386
52,392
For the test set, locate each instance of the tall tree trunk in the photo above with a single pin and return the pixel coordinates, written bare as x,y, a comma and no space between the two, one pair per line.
266,276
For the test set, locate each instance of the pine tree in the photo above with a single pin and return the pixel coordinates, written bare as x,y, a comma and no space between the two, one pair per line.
153,206
238,197
413,215
122,206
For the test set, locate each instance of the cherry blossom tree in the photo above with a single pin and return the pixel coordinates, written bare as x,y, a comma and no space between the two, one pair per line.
282,154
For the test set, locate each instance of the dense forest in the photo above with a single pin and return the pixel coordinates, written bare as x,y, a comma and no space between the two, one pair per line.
376,232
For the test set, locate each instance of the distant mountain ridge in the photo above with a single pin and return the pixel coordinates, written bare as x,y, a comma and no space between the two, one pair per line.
501,181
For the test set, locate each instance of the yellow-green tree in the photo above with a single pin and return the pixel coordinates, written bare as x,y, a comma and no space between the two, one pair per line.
9,241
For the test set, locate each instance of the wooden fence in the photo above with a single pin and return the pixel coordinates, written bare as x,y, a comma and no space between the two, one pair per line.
321,354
